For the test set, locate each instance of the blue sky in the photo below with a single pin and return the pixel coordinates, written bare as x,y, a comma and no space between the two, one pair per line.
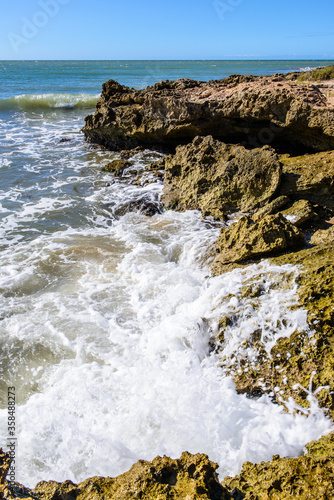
174,29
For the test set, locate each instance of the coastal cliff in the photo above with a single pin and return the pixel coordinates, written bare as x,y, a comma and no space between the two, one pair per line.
257,154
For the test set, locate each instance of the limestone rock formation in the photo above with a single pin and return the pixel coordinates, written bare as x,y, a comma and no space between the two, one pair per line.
299,213
309,177
136,167
247,239
191,477
271,208
303,478
4,467
117,166
144,205
258,110
323,236
304,361
218,178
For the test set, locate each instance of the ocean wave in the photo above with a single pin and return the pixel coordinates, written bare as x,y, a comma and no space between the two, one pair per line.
35,102
308,68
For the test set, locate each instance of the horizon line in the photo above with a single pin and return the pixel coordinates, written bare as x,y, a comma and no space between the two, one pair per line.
168,60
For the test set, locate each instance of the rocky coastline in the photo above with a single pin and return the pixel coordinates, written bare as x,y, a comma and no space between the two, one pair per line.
255,110
260,151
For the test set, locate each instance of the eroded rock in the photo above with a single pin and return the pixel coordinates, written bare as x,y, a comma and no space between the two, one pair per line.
138,167
117,166
217,178
258,110
300,213
303,363
249,239
271,208
323,236
309,177
143,205
303,478
4,467
191,477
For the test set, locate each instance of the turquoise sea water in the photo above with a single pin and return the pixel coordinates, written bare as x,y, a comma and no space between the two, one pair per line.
106,315
29,77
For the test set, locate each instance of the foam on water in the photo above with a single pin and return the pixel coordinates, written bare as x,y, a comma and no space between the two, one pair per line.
106,319
124,370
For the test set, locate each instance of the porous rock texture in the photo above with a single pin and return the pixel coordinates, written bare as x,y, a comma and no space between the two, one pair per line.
4,467
300,213
255,109
304,362
247,239
218,179
191,477
305,478
309,177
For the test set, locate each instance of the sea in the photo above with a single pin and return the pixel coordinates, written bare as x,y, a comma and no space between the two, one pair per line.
108,316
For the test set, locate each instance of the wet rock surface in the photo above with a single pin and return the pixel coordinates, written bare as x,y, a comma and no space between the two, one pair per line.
300,213
143,205
304,478
137,167
300,366
193,477
271,208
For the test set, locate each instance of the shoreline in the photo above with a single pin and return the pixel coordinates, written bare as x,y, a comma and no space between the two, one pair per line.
297,198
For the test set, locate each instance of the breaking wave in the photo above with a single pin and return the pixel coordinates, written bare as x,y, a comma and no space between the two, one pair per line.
36,102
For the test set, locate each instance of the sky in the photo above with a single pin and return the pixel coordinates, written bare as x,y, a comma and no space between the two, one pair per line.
173,29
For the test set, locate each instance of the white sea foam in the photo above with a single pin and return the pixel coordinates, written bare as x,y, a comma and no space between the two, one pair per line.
308,68
106,321
291,218
4,162
127,314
